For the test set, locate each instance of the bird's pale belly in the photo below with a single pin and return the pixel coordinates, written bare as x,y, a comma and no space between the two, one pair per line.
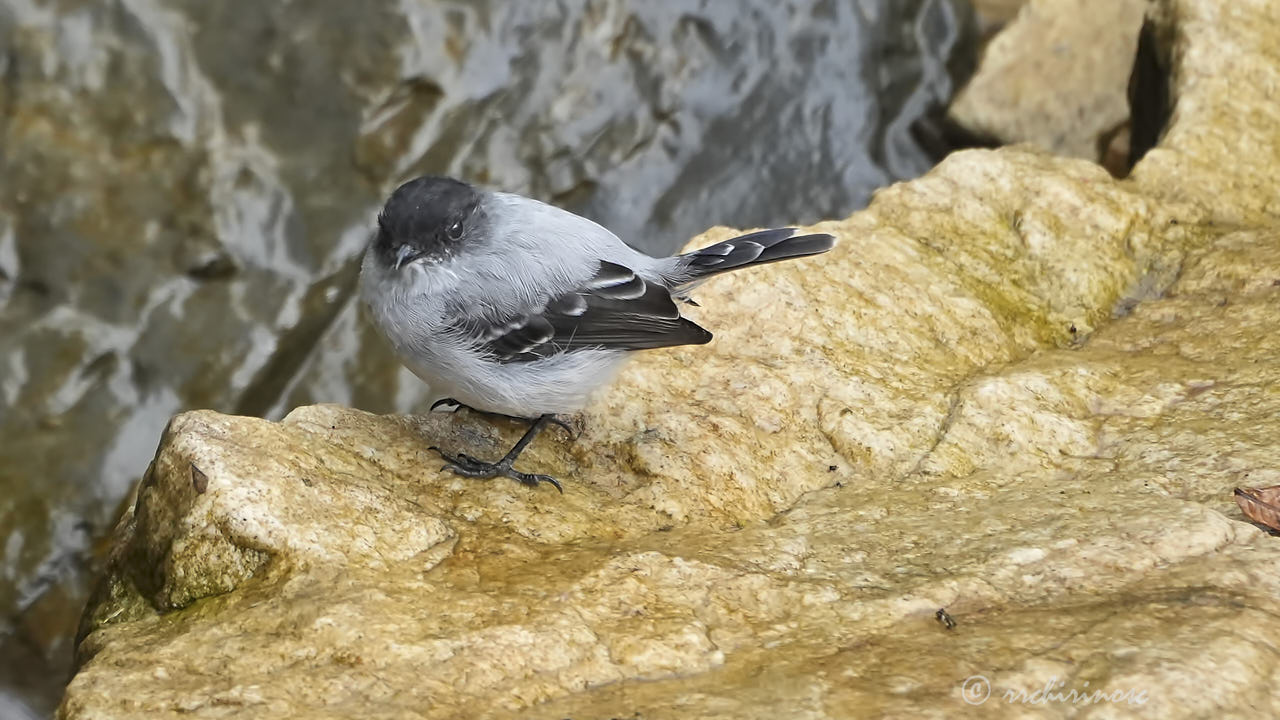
558,384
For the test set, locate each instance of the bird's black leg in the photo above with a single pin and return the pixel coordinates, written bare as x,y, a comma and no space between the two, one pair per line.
446,401
468,466
549,418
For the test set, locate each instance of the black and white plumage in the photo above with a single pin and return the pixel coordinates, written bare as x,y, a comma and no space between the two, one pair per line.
512,306
615,309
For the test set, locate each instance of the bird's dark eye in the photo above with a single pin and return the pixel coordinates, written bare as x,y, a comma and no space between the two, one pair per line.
455,230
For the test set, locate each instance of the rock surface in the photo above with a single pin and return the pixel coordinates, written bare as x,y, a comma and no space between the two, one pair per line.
186,187
1055,77
1018,389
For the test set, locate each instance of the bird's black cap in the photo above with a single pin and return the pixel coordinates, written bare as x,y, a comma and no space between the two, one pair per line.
429,217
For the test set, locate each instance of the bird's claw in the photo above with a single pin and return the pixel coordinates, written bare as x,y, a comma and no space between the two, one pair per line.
532,479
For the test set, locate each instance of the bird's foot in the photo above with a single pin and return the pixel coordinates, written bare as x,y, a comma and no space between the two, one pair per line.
467,466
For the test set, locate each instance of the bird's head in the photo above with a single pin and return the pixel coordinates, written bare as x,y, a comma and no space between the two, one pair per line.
427,221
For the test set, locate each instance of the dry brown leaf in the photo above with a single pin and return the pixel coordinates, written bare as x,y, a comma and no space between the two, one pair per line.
1261,505
199,480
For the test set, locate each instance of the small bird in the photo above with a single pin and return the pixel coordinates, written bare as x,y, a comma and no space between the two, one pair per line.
509,306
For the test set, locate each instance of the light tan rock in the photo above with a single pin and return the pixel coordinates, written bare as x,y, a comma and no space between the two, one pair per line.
1056,76
1221,151
1017,389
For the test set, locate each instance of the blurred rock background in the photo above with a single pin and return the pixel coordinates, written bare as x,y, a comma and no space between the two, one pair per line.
185,188
1088,48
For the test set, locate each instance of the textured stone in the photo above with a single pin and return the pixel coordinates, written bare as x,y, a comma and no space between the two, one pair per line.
1017,389
186,189
1056,76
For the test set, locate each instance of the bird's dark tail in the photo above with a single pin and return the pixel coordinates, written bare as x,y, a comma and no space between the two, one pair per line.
756,248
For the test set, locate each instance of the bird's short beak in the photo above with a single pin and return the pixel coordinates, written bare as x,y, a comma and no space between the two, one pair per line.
405,254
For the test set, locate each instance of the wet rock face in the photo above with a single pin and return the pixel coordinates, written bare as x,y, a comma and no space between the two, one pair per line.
186,184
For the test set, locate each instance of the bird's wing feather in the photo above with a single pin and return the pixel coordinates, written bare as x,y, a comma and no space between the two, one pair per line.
616,310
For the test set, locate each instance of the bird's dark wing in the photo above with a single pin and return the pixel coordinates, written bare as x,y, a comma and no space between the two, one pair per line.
616,310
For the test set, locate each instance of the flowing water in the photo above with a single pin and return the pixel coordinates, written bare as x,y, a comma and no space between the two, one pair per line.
186,186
